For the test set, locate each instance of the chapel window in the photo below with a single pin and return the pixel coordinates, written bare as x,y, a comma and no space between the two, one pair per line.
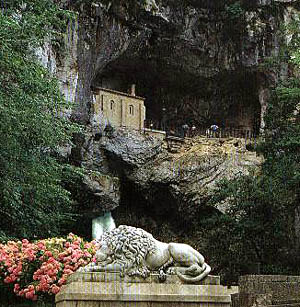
112,105
131,110
102,101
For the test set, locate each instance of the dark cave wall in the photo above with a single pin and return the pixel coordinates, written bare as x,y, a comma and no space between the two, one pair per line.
201,65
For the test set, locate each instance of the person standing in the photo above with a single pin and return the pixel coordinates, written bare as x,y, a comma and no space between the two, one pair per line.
193,131
185,129
214,130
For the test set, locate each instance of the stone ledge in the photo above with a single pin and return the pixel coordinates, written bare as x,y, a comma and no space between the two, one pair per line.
153,278
110,291
269,278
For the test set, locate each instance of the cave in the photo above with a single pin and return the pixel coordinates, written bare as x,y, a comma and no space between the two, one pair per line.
165,221
175,96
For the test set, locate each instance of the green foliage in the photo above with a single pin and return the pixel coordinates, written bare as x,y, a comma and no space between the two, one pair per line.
234,11
32,200
259,223
257,227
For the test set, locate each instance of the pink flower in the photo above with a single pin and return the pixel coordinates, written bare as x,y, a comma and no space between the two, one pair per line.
25,241
8,263
44,286
29,295
60,257
51,273
49,267
68,271
16,288
76,243
8,280
61,281
48,254
41,245
67,259
51,260
54,289
87,254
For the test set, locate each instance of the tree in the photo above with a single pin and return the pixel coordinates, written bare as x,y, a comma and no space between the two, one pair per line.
32,200
259,223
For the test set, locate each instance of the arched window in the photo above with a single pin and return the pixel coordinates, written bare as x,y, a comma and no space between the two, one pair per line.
131,110
102,102
112,105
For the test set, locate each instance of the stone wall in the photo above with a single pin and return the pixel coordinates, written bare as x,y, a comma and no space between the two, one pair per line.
161,135
108,289
265,290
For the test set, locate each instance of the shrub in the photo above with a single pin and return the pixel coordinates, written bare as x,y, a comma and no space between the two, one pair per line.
39,269
234,11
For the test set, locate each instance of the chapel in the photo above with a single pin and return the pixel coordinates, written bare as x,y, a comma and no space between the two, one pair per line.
120,109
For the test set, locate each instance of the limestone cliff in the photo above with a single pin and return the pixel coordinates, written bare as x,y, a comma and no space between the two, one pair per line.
149,182
197,60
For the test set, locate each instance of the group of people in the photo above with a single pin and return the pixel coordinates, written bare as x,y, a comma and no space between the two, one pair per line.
212,131
188,131
191,131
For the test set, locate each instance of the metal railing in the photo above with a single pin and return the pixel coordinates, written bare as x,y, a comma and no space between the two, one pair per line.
193,131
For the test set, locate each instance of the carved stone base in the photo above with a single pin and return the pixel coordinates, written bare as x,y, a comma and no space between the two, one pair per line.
110,290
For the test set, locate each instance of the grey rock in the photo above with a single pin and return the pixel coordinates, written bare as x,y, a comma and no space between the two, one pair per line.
130,148
190,176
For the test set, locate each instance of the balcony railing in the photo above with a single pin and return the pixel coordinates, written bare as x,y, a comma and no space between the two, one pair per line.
193,131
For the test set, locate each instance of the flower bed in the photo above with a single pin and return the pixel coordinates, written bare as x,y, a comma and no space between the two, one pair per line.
39,269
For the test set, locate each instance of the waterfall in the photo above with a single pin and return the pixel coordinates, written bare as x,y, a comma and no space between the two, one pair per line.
101,224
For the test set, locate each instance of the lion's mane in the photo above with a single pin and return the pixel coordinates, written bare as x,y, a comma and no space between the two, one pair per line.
130,246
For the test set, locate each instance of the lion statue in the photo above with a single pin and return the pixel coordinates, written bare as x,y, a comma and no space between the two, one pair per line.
134,252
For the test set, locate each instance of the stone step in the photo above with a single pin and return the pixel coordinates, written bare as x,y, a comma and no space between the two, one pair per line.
153,278
286,302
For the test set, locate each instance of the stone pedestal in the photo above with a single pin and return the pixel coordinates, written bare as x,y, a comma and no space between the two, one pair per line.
110,290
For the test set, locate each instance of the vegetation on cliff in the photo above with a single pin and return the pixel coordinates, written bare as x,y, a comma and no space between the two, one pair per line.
33,201
259,230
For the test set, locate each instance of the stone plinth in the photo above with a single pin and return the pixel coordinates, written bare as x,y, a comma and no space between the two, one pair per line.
110,290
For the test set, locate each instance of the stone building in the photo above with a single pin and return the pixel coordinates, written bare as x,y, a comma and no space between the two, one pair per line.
120,109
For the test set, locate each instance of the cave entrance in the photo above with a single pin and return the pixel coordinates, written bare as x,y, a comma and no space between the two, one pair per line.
176,97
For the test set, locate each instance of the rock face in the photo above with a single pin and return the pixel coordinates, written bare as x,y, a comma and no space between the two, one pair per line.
197,60
130,149
136,173
174,183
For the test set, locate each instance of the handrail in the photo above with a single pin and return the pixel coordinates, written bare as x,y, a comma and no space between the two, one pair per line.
227,132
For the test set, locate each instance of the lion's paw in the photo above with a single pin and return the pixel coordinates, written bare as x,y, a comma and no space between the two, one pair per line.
162,276
171,270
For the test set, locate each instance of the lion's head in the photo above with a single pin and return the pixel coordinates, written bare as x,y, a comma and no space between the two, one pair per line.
127,246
